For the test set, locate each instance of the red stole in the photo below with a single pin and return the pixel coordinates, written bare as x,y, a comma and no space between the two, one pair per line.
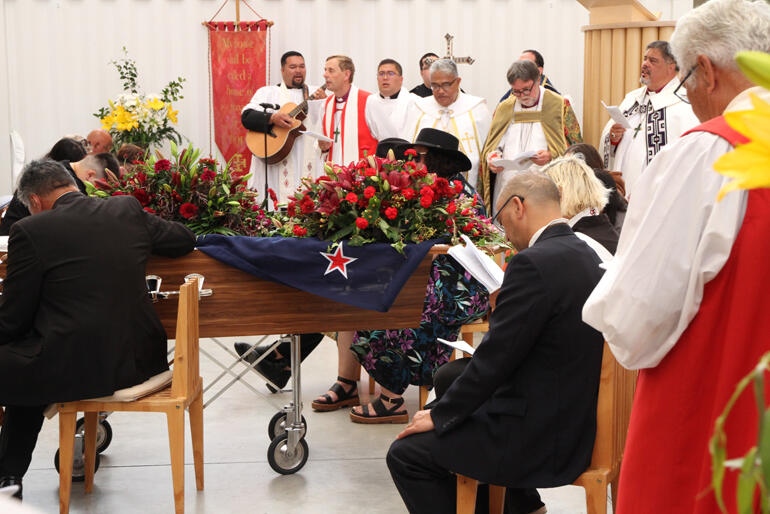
366,142
667,464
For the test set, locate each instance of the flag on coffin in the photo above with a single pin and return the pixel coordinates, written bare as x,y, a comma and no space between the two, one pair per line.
368,276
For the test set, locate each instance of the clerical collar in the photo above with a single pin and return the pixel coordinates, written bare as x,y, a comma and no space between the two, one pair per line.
656,92
342,99
540,231
537,102
392,97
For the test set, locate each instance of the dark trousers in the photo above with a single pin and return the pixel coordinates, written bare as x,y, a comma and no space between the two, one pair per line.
18,437
307,343
424,485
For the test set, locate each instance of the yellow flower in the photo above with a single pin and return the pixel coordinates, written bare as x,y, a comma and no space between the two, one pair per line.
125,120
748,164
171,114
108,121
155,104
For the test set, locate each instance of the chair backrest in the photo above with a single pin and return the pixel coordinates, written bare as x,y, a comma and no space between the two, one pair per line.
186,359
613,411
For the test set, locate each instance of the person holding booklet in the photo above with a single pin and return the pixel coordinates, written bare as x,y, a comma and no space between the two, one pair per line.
522,411
529,129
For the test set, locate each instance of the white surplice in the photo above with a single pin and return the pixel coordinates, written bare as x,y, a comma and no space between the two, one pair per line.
675,239
303,160
518,138
395,108
467,119
656,119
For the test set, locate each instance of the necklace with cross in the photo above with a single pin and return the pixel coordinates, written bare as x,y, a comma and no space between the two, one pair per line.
336,133
458,60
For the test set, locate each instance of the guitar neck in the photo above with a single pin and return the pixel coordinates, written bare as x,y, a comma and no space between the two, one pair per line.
302,108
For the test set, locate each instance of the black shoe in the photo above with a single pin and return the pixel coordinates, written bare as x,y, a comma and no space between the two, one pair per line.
273,369
10,482
251,358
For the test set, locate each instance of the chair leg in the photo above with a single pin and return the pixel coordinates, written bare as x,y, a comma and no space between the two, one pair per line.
91,419
196,430
596,497
66,450
423,396
496,499
176,447
614,489
466,495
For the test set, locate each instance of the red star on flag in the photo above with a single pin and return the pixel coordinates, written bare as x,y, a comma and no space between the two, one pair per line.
338,261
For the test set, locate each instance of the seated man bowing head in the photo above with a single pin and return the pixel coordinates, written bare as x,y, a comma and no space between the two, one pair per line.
522,413
75,318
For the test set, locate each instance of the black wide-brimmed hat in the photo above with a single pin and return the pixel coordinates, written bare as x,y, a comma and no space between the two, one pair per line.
440,141
391,143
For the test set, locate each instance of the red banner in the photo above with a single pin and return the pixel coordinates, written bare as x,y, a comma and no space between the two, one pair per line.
237,71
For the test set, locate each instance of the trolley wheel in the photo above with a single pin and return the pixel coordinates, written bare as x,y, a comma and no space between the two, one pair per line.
280,459
78,466
277,426
103,433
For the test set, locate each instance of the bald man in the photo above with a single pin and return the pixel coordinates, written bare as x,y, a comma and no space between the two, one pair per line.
99,141
522,412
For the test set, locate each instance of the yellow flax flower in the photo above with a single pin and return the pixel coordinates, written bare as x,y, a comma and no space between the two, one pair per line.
749,164
155,104
171,114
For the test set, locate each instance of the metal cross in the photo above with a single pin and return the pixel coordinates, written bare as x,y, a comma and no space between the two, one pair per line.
457,60
336,133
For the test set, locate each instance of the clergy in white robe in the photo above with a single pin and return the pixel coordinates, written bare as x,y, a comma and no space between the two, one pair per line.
657,117
349,118
393,100
464,116
304,159
532,119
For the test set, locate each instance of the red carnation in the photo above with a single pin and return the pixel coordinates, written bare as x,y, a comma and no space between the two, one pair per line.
291,209
142,196
369,192
306,205
208,176
408,193
391,213
351,197
256,208
427,191
163,165
458,187
420,171
141,178
188,210
411,165
451,208
299,231
450,222
468,227
426,200
370,172
465,212
362,223
411,151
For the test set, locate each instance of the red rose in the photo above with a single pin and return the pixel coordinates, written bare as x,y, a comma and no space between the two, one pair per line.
370,172
208,176
391,213
411,151
351,197
163,165
426,200
188,210
299,231
408,193
369,192
361,223
451,208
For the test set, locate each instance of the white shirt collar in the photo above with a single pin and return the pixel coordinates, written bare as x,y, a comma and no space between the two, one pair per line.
540,231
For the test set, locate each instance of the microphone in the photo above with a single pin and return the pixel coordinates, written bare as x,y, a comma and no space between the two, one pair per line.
266,105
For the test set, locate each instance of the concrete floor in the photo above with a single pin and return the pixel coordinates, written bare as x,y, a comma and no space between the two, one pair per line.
346,470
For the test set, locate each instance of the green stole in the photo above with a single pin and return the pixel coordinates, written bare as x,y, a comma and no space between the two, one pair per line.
550,117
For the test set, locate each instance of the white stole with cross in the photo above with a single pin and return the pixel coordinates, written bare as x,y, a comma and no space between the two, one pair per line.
467,119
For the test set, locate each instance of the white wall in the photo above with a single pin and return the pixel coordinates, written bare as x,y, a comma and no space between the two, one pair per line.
55,71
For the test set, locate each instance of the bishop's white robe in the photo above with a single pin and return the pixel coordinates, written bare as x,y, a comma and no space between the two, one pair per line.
676,237
467,119
656,120
303,160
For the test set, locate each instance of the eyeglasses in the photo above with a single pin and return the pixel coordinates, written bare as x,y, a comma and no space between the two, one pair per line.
525,91
386,73
521,199
421,156
683,96
444,86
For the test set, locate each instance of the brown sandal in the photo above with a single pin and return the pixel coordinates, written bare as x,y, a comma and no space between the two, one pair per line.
345,398
381,413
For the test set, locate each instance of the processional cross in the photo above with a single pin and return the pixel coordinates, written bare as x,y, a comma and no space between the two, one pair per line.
457,60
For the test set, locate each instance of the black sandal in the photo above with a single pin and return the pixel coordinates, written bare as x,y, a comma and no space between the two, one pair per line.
345,398
381,413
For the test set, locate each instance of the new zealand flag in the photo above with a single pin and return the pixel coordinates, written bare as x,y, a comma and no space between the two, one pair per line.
369,276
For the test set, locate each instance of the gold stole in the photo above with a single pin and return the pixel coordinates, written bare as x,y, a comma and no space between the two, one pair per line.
551,117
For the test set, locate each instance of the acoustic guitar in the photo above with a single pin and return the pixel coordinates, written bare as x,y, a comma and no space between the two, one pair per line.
280,140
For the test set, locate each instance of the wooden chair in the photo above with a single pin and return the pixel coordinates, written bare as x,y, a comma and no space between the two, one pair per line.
613,411
185,391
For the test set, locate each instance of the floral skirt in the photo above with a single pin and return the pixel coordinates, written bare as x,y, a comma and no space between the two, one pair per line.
397,358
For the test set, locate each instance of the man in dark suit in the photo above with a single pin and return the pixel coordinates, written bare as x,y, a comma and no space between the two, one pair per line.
75,318
523,411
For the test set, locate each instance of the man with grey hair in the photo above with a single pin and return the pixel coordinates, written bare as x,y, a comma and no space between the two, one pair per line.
449,109
75,320
685,298
532,127
656,117
522,412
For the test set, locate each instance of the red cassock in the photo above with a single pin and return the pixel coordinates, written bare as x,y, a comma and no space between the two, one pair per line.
667,464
